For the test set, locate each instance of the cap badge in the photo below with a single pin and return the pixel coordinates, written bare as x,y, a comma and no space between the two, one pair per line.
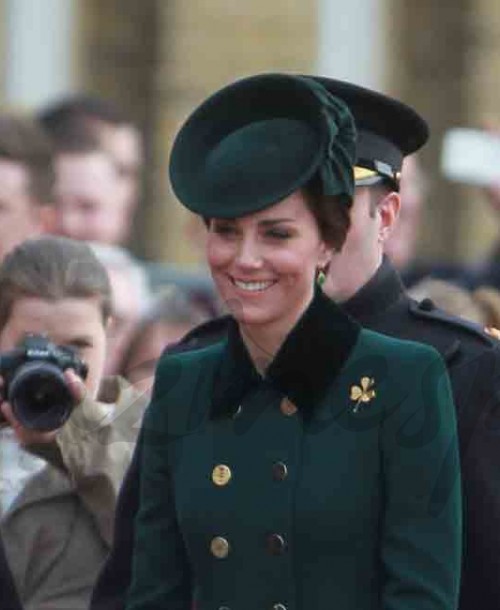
362,393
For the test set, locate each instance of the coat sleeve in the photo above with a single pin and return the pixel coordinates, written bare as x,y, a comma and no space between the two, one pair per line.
96,446
161,574
114,579
8,592
421,534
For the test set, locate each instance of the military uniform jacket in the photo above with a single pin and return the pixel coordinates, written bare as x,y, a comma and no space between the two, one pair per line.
333,481
473,361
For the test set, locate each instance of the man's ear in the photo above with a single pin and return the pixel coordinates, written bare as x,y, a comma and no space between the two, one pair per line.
388,210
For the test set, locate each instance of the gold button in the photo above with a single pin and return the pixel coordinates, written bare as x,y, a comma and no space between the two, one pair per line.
221,475
219,547
287,407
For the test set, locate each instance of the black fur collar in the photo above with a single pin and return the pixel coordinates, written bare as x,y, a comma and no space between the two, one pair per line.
305,366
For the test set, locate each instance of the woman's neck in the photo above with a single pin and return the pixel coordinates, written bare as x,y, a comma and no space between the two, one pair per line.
263,341
262,344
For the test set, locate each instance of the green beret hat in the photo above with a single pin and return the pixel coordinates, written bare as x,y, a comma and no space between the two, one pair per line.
256,141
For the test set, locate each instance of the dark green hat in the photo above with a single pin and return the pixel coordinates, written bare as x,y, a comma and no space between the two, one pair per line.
388,130
256,141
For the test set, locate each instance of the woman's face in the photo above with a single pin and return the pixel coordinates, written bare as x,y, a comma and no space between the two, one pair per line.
264,264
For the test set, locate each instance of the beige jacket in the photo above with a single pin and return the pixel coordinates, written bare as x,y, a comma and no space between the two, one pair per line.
59,529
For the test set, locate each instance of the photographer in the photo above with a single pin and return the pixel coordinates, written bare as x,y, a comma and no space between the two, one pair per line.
57,523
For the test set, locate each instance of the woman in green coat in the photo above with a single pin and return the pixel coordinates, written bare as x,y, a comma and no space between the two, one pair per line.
303,463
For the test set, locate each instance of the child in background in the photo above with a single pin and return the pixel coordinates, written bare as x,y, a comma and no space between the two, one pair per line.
57,521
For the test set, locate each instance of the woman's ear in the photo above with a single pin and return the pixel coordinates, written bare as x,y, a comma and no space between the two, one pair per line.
325,256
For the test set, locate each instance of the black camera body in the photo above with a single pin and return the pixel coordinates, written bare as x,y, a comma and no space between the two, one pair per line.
35,385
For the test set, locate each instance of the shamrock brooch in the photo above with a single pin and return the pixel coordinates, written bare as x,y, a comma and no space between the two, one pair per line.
362,393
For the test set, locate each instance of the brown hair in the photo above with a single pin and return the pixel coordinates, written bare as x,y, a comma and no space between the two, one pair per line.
171,306
332,214
52,268
25,142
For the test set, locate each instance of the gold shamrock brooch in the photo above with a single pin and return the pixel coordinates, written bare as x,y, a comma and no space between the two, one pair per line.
363,393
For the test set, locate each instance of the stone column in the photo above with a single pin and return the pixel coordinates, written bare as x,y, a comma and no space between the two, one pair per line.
427,68
480,225
118,60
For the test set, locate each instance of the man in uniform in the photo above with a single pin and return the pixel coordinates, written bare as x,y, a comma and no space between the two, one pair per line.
369,288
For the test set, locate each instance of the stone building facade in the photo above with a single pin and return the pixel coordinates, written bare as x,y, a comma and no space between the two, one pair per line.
159,58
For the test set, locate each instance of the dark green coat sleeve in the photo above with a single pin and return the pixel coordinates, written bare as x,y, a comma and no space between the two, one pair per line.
421,540
161,576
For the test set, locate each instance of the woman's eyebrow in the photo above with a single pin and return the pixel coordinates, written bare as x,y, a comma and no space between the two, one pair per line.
274,221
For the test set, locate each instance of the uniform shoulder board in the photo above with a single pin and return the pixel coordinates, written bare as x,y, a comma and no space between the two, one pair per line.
428,310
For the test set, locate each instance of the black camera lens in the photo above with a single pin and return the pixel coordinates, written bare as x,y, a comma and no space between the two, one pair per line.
40,396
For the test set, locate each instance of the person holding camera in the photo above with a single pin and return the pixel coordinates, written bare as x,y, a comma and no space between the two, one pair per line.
74,429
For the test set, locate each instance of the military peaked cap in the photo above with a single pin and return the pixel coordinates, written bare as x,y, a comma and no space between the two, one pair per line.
388,130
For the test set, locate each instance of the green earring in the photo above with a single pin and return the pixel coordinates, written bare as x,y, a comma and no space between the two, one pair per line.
321,277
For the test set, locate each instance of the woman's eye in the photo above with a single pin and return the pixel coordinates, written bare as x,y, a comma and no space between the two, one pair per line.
278,234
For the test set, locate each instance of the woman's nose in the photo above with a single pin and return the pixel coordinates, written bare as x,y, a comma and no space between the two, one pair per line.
249,254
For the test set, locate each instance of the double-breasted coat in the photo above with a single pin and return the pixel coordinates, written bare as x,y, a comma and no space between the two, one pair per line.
331,482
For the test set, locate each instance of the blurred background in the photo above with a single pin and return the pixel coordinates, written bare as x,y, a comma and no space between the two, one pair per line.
159,58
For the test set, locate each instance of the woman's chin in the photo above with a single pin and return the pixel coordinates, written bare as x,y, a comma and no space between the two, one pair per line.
250,316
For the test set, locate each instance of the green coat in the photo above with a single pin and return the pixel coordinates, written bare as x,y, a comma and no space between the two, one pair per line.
345,494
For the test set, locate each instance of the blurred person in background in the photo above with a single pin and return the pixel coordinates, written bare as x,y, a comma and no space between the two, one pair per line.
26,182
116,133
452,298
130,298
480,306
89,194
171,316
470,156
487,272
58,525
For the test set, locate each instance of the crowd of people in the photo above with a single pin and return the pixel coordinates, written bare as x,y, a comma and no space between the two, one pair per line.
322,427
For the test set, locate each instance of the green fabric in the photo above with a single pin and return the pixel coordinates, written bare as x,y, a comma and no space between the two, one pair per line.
370,510
256,141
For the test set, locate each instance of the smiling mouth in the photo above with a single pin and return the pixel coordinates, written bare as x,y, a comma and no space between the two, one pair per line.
253,286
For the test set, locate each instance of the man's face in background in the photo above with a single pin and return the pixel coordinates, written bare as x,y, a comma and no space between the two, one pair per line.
91,198
21,216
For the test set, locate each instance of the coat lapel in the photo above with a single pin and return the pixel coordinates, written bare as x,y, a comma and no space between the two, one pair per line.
308,361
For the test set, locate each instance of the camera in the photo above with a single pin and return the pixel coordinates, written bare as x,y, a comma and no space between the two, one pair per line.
35,385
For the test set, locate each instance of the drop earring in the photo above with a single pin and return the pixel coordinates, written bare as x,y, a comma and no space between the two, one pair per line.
320,277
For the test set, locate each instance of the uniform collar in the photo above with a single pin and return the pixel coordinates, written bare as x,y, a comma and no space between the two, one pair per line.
304,367
380,292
